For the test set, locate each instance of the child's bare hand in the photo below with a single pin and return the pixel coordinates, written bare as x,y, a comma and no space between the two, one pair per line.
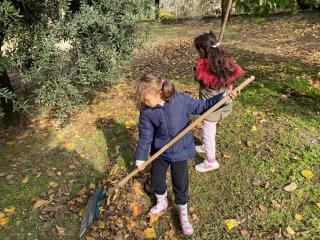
233,94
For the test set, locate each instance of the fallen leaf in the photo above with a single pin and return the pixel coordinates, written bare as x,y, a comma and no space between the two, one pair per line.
2,215
262,208
90,238
226,155
257,182
69,146
53,184
39,203
81,212
253,129
318,204
10,209
136,210
153,218
275,204
195,218
71,166
39,174
2,174
4,221
249,143
137,189
290,230
10,143
129,123
298,217
25,179
102,225
231,223
307,174
245,233
9,176
60,230
291,187
149,233
170,234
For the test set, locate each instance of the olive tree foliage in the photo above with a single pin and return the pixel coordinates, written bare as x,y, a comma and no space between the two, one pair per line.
67,48
265,7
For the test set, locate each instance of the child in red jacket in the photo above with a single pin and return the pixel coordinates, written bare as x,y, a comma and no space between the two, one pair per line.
216,72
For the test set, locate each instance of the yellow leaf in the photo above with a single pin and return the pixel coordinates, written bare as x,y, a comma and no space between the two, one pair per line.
2,215
130,224
69,146
318,204
253,129
59,138
149,233
81,212
231,223
10,209
102,225
137,190
129,123
298,217
60,230
307,174
11,143
153,218
4,221
25,179
53,184
290,231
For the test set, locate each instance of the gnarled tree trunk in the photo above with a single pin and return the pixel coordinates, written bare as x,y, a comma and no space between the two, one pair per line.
157,10
11,118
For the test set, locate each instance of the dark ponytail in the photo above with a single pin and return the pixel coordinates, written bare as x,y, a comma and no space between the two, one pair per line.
220,63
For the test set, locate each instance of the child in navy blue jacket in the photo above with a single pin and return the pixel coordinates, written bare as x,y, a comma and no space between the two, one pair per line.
164,114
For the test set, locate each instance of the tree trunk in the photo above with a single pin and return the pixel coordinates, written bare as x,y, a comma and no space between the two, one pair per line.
224,6
157,10
11,118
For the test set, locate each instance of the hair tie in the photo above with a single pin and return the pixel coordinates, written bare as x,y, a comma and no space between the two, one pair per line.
216,45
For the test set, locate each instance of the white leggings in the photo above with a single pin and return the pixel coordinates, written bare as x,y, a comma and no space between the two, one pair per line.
209,139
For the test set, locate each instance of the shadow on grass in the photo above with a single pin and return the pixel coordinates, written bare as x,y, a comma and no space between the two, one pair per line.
120,142
43,167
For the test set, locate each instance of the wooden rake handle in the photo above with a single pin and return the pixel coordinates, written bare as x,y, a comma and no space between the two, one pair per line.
181,134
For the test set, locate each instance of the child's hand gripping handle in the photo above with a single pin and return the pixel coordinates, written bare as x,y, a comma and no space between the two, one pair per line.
227,98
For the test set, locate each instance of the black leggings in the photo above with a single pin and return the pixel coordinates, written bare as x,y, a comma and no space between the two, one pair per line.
179,175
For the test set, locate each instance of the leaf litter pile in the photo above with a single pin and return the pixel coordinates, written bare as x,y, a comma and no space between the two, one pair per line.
126,216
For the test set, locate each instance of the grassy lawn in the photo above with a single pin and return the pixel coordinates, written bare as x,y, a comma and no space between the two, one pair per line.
271,137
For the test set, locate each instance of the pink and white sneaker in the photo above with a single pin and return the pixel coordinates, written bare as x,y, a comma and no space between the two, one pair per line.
200,149
162,204
184,220
206,166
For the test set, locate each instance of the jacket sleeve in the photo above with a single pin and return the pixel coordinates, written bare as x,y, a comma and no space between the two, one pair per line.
145,137
197,106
